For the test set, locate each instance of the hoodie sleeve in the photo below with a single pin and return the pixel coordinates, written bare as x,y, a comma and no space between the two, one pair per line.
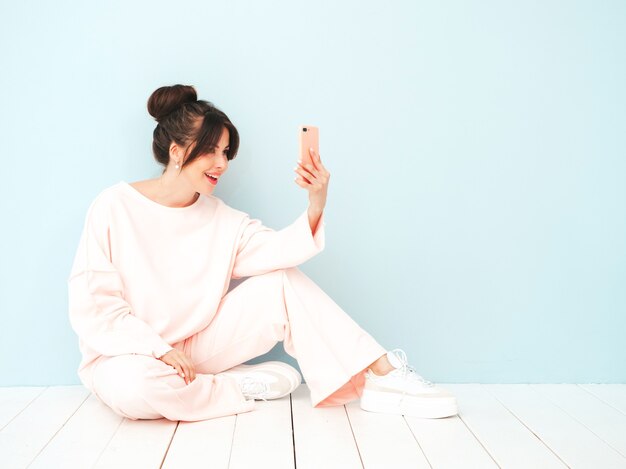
261,249
98,312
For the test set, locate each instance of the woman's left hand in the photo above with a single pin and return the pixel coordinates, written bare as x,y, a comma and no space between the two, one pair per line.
314,177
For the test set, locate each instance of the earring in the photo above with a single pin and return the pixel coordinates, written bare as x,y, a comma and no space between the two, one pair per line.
177,166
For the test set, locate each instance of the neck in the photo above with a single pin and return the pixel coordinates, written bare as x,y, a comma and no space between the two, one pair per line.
173,191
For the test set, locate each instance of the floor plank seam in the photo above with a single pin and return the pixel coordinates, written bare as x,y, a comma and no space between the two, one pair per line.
544,396
527,427
25,407
117,429
293,433
479,441
232,440
167,450
58,430
417,441
602,400
358,450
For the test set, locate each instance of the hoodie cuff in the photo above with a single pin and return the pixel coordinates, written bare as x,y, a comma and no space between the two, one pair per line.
318,241
161,349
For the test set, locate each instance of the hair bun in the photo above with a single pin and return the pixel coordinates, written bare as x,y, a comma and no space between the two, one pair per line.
167,99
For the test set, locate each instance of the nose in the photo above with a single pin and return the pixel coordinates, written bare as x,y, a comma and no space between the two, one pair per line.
222,162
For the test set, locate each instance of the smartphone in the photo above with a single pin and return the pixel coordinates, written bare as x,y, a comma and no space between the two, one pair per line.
309,137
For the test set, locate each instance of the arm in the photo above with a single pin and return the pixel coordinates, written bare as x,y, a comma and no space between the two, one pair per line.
98,312
314,217
261,249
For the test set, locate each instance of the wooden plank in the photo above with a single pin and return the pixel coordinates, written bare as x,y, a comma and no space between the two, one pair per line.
205,440
138,444
82,439
448,443
384,440
36,425
569,439
581,423
263,436
599,417
508,441
613,394
323,437
15,399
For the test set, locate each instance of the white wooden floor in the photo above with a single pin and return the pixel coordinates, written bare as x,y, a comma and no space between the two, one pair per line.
499,425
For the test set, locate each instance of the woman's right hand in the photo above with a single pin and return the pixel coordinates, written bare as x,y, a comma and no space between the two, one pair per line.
182,363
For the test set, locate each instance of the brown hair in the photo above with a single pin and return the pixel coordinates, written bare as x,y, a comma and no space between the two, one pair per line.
178,112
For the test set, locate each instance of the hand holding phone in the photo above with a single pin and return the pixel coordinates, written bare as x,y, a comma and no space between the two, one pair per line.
313,176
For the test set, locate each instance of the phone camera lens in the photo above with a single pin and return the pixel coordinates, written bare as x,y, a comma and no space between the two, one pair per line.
304,129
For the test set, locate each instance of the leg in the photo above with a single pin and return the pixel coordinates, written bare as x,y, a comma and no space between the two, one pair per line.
142,387
332,350
382,366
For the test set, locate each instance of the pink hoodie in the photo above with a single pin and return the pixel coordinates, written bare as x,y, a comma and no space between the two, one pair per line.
146,276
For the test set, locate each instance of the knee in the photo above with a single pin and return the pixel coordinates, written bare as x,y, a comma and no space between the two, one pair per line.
132,398
126,385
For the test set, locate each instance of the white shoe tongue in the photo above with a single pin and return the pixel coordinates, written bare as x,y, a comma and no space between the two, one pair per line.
394,360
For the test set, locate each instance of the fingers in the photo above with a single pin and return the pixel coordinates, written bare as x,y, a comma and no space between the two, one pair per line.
179,369
302,183
311,176
184,366
315,168
188,369
315,157
307,171
305,176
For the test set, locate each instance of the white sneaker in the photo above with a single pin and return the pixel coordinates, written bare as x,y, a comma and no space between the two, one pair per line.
402,391
268,380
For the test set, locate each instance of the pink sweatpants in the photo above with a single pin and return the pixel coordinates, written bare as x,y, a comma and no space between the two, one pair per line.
332,350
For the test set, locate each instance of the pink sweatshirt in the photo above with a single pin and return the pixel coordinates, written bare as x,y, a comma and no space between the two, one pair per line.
146,276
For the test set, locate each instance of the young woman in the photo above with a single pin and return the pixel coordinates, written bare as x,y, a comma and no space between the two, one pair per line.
159,332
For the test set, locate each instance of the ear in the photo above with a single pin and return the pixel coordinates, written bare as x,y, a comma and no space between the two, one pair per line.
173,150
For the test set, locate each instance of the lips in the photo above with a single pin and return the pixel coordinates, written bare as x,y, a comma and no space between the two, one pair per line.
212,180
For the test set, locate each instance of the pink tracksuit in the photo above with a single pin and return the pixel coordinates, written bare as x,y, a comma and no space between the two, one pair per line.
147,278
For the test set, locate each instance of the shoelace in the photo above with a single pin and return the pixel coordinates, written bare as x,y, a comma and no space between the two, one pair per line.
252,388
406,370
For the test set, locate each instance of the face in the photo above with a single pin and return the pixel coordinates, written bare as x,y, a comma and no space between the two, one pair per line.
214,163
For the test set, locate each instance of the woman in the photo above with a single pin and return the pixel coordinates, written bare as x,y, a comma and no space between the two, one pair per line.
161,335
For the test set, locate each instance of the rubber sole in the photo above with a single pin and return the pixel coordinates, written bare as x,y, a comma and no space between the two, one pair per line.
408,405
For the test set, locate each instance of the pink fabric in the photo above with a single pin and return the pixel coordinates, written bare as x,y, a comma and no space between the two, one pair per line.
147,278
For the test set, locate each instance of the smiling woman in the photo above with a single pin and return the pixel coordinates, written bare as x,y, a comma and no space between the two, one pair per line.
160,334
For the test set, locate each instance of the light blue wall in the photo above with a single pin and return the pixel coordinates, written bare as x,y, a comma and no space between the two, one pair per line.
476,208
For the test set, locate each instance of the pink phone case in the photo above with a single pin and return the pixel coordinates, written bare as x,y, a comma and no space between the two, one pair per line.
309,137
